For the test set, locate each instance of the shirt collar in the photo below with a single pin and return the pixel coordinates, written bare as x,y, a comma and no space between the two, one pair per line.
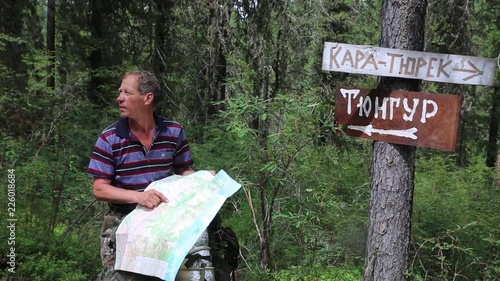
123,129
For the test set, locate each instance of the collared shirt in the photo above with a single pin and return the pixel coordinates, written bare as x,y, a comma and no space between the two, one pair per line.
119,155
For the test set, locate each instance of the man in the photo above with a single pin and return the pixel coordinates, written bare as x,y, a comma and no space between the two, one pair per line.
130,154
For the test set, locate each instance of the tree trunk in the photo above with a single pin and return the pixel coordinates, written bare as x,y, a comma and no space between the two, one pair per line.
51,42
492,151
217,70
393,167
389,232
162,52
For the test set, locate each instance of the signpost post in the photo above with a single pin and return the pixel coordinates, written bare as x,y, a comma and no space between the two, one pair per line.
408,64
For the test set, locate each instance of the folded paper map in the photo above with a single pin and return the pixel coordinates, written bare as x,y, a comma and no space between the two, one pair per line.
155,241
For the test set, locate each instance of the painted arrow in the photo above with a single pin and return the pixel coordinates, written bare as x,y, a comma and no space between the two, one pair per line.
475,70
407,133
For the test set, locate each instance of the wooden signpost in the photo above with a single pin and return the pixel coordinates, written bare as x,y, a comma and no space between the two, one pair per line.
402,117
408,64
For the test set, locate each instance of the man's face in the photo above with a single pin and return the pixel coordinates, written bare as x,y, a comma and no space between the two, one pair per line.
132,104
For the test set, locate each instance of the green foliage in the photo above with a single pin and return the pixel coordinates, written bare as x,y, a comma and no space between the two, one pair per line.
315,273
486,29
6,39
318,273
455,220
326,212
323,192
55,257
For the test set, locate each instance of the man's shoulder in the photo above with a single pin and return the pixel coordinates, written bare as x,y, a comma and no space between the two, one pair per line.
110,129
167,122
116,130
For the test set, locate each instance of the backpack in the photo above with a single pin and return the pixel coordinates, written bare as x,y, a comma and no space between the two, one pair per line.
224,249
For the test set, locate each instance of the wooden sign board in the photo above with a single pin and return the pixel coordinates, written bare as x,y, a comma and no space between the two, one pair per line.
408,64
402,117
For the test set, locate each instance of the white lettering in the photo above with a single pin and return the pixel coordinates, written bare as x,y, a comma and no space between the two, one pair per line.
426,115
386,108
369,130
409,110
394,102
350,95
365,106
382,108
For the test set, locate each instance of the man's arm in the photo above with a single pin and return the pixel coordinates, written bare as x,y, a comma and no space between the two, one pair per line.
104,191
185,171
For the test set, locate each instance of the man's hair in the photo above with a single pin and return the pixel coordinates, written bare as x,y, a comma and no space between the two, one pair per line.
147,82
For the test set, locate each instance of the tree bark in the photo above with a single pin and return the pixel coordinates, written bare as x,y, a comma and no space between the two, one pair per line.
393,166
217,70
163,36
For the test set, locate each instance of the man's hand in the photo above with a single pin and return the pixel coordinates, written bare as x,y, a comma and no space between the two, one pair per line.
151,198
104,191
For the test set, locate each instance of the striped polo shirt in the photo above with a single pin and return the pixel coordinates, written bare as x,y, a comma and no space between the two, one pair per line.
118,155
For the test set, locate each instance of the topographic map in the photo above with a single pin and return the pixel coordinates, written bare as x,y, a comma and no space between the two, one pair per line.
155,241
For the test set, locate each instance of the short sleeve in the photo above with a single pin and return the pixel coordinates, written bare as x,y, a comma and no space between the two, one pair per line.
101,163
183,156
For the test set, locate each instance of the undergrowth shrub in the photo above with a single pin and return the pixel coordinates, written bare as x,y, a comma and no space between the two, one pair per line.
305,273
456,218
55,257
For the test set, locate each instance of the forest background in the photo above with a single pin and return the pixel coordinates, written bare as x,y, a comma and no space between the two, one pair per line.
244,77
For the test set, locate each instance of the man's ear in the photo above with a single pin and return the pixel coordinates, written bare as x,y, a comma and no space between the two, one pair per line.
149,98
